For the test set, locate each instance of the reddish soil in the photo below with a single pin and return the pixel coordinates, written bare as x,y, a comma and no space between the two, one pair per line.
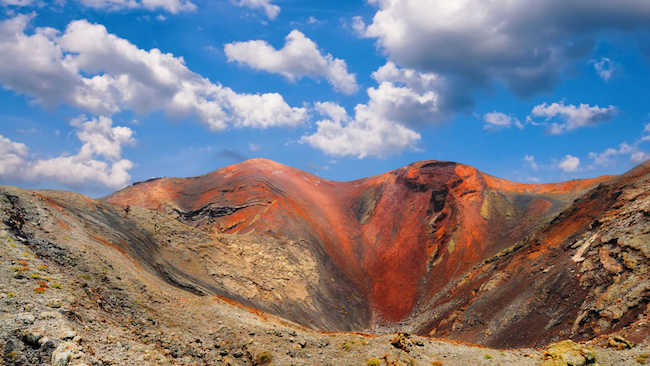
399,237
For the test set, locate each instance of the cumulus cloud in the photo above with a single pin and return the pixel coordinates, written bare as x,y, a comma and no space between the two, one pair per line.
407,96
367,134
172,6
16,2
571,116
525,44
358,25
438,96
403,100
530,160
570,163
420,82
298,58
497,120
633,151
271,10
332,111
89,68
12,156
606,158
402,104
604,68
98,162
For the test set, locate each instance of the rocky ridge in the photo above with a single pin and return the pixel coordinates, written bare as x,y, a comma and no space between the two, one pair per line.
260,258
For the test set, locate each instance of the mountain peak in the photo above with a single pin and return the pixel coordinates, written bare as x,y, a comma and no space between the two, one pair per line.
396,236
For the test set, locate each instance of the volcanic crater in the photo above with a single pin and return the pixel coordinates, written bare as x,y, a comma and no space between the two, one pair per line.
437,249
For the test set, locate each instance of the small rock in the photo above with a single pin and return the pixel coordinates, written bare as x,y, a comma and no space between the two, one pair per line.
25,318
77,339
401,341
46,344
63,354
643,358
48,315
68,334
619,342
31,339
609,263
568,353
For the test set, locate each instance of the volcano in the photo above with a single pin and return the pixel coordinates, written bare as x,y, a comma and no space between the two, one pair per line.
391,252
435,248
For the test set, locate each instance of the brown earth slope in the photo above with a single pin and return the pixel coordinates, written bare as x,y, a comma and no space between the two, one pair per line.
583,274
188,271
386,253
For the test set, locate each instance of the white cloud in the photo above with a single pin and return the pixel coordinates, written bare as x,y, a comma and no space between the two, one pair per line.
572,116
98,162
646,129
298,58
496,120
530,159
254,147
632,151
172,6
34,64
367,134
89,68
407,96
17,2
271,10
403,99
101,138
604,68
420,82
525,44
12,156
570,163
358,25
639,156
332,111
403,105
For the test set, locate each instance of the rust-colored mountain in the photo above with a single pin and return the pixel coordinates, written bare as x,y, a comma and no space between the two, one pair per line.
434,247
196,268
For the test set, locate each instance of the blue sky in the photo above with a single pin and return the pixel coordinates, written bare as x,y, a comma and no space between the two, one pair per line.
97,94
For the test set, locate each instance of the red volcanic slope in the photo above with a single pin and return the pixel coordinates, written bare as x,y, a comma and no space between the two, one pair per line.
399,237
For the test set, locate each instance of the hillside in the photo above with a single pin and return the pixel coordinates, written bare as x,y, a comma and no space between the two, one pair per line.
435,248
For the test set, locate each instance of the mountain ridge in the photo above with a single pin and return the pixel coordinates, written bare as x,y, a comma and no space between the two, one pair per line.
344,218
192,269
